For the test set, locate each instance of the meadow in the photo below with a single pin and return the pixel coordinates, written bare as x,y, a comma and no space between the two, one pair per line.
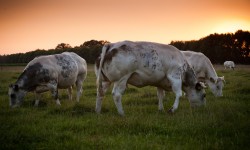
224,123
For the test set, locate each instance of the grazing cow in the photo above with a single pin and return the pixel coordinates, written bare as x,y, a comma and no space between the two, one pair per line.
146,64
205,71
229,64
49,73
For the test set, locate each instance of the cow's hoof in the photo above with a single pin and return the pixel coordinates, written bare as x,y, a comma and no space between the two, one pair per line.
171,111
58,102
122,114
98,112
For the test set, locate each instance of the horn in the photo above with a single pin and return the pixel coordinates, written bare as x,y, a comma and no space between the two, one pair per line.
222,79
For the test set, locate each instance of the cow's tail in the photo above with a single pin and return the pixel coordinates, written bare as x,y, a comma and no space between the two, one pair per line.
99,79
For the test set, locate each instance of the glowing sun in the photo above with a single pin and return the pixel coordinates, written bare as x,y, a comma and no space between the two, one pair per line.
231,26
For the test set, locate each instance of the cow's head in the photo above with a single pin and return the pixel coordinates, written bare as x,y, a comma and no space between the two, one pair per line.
196,94
194,90
217,86
16,95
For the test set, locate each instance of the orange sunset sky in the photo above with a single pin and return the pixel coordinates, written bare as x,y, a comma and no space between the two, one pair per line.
27,25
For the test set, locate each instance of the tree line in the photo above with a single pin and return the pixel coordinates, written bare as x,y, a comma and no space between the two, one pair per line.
89,50
221,47
217,47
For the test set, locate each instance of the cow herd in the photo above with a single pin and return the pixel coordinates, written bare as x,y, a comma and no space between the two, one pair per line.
136,63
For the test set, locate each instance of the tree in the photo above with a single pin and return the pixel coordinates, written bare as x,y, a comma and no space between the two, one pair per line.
93,43
242,42
63,46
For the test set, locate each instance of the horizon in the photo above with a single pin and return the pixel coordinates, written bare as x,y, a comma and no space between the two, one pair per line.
43,24
117,41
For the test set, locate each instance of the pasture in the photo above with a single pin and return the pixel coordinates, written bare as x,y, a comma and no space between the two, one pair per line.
223,124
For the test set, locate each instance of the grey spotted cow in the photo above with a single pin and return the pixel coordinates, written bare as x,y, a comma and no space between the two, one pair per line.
146,64
49,73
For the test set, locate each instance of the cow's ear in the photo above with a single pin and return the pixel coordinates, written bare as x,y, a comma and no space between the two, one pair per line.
16,88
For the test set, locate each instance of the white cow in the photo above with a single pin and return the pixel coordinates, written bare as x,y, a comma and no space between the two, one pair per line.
229,64
49,73
205,71
146,64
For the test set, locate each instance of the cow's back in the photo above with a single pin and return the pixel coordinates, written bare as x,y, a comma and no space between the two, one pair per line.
229,64
168,55
196,58
147,55
81,63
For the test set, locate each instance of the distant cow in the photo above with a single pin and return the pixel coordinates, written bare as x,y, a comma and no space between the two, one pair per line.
205,71
49,73
229,64
146,64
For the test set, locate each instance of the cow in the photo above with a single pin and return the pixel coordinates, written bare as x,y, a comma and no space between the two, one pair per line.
229,64
146,64
205,71
49,73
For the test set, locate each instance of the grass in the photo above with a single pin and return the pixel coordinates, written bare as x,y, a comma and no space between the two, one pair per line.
222,124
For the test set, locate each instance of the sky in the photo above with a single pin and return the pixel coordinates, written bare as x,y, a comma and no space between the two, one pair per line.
27,25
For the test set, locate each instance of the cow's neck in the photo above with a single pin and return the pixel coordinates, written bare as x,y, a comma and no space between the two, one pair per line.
22,82
211,73
209,83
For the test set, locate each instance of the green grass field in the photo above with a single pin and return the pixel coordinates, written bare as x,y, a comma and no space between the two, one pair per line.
223,124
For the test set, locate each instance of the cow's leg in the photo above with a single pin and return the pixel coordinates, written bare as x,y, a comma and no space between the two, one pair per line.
161,95
118,90
98,105
52,85
79,83
70,93
38,96
79,90
55,95
176,84
105,86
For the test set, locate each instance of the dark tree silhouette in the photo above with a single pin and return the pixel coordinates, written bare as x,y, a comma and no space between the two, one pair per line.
221,47
63,46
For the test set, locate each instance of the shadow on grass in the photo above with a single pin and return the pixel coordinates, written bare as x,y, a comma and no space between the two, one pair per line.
27,104
75,111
